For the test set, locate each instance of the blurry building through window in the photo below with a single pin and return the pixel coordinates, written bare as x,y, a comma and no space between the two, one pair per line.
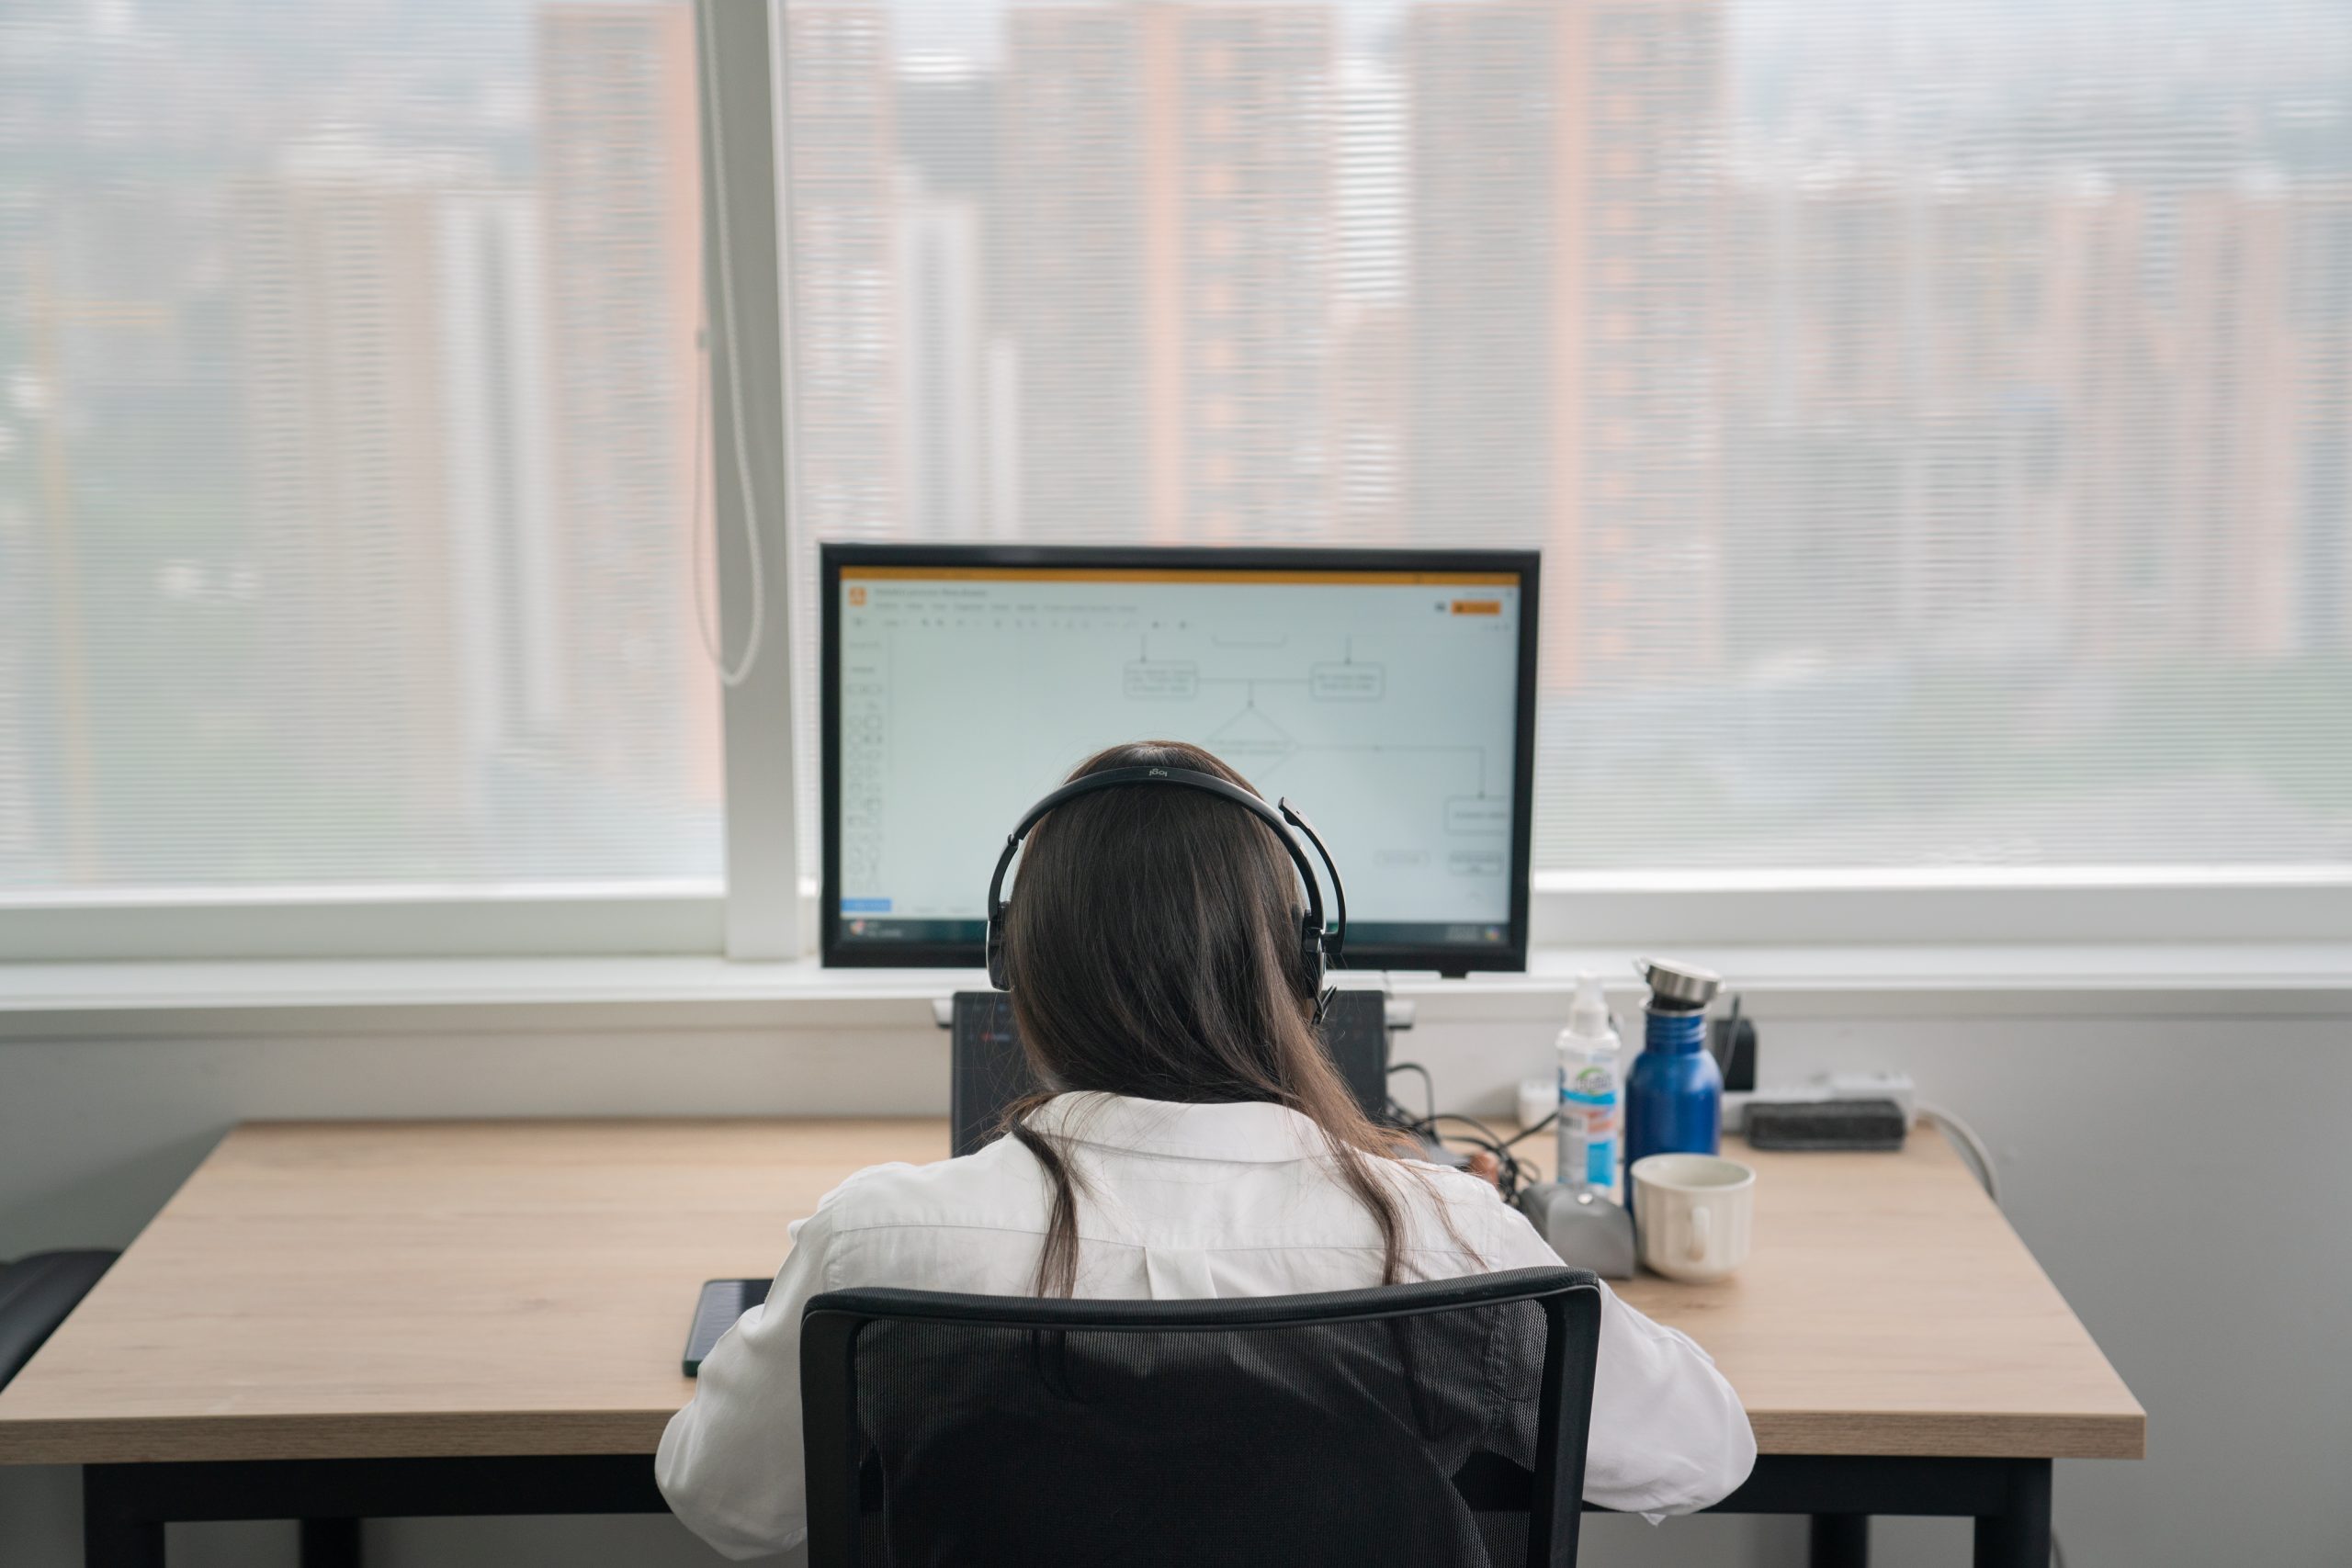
1935,417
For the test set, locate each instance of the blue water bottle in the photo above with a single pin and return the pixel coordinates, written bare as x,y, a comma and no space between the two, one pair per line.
1674,1095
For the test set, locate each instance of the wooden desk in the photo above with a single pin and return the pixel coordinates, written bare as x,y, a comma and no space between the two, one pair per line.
1888,1308
345,1320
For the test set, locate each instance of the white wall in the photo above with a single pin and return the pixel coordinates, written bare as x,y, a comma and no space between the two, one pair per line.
2181,1178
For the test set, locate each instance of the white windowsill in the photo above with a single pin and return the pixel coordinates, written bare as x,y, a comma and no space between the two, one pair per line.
2227,979
1851,927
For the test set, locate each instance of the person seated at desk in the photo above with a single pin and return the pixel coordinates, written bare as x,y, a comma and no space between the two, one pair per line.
1202,1145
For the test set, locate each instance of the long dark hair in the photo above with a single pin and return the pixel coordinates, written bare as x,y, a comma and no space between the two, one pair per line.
1151,938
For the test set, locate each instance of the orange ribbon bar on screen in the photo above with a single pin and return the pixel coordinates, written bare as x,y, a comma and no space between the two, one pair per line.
1198,574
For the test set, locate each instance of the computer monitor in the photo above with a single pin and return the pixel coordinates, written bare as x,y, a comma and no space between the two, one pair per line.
1390,694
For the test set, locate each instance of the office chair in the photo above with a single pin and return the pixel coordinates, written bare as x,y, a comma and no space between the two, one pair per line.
35,1294
1356,1427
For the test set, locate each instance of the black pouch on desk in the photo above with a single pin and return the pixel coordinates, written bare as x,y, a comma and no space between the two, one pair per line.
1826,1124
723,1300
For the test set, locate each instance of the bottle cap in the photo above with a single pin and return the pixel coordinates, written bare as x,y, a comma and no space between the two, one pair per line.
1676,986
1589,1014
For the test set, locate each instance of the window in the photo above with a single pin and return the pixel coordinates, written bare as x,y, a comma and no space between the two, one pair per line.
1936,416
348,415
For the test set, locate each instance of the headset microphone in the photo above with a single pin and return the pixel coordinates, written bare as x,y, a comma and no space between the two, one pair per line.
1317,949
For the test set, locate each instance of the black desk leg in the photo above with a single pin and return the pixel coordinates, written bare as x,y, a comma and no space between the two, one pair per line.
114,1533
2019,1536
1840,1540
330,1543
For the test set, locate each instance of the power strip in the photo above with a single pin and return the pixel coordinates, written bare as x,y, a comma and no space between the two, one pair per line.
1896,1087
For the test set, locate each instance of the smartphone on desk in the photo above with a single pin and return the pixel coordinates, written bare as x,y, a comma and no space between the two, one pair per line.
723,1300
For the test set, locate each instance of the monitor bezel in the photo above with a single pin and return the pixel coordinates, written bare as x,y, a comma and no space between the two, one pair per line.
1448,959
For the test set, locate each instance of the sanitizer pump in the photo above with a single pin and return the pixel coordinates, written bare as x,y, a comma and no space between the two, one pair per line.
1588,1126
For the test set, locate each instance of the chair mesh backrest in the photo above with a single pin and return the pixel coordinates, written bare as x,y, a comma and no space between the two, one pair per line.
1184,1436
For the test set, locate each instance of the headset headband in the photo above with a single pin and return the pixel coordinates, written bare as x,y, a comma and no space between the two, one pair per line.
1320,947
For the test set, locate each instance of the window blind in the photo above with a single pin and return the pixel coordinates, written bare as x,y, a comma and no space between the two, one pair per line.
1935,417
347,375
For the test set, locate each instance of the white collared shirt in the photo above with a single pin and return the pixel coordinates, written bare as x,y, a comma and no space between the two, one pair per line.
1177,1201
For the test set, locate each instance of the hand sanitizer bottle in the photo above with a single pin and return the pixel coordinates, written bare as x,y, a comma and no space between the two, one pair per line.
1588,1127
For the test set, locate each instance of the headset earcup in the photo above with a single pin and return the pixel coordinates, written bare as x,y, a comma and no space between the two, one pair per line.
997,976
1311,956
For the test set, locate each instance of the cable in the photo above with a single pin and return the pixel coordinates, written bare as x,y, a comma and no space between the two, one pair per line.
1429,1087
1526,1132
1730,1033
1508,1173
1970,1145
710,648
737,675
1492,1138
1981,1156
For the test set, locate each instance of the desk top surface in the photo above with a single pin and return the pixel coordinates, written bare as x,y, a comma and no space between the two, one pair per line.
360,1290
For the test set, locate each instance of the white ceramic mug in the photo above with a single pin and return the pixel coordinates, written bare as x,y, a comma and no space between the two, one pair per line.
1695,1214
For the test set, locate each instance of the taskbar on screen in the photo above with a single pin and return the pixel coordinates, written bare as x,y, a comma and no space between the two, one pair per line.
899,931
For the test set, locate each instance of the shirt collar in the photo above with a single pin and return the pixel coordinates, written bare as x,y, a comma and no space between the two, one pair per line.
1249,1132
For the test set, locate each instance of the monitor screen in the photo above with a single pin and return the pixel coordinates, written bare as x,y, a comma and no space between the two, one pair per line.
1388,694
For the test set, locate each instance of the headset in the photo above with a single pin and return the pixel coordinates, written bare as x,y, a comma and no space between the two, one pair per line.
1317,948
